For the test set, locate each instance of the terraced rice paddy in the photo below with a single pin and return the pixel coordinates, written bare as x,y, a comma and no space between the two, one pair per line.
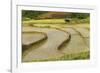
77,42
48,44
31,37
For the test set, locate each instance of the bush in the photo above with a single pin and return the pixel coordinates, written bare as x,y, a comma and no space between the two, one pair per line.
80,15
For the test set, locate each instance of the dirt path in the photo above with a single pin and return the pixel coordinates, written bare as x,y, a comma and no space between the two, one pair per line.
49,49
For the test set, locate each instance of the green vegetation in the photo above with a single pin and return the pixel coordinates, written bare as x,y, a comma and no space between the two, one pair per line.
37,15
30,14
50,21
54,21
45,21
82,55
44,17
76,56
80,15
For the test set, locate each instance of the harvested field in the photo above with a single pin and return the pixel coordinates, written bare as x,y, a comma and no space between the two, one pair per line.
59,42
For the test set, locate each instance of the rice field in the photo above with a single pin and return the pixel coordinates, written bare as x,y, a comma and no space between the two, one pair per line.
59,43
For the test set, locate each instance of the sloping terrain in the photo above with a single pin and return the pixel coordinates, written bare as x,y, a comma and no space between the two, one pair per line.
29,38
49,49
77,43
59,42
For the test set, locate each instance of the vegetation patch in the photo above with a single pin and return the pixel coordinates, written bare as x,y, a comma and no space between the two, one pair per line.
54,21
55,46
76,56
